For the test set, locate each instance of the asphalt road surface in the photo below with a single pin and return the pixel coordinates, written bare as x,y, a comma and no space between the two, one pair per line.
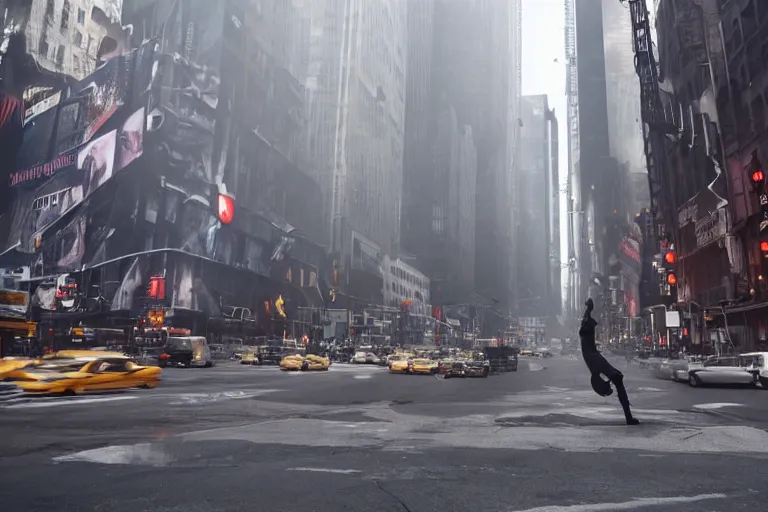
237,438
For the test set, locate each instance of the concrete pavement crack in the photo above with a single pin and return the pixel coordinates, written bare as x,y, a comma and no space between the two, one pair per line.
393,496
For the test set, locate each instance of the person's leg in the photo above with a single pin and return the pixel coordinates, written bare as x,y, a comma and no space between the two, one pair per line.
617,378
618,381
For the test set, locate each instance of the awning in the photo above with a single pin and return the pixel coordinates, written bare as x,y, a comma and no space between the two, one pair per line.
743,308
453,322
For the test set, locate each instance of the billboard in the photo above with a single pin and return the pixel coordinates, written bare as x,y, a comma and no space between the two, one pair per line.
130,140
96,161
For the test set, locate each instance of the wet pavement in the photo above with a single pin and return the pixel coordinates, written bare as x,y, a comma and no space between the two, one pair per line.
236,438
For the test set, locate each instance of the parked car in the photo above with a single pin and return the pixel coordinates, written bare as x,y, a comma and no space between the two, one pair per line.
424,366
250,356
186,351
361,357
400,365
720,370
468,369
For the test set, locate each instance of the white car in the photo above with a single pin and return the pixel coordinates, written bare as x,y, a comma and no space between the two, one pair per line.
757,363
676,369
720,370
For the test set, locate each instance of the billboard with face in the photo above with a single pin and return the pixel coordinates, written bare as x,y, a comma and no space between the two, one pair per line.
130,141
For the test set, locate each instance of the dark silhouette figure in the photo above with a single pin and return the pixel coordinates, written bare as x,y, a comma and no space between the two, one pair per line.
598,365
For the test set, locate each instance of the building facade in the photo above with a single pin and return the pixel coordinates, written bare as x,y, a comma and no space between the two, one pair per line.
460,148
160,207
574,209
594,142
538,271
742,106
64,36
440,169
357,89
475,80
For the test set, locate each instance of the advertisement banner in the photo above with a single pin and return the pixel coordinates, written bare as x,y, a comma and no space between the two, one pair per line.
13,304
96,161
130,140
705,223
42,171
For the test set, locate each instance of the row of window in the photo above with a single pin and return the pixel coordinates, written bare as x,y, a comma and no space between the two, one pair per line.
57,53
407,276
47,201
406,293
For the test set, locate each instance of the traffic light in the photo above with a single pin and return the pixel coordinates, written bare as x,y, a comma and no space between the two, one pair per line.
669,271
764,248
758,176
671,278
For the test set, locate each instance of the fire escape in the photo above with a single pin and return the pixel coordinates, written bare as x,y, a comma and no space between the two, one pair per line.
656,127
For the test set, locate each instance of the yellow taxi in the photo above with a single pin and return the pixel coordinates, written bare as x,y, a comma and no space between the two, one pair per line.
9,365
424,366
400,365
250,356
68,376
316,363
291,363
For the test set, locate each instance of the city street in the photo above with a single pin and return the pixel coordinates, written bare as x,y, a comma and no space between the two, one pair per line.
237,438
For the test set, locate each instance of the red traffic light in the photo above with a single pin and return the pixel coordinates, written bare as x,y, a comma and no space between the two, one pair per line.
671,279
670,257
226,208
764,246
758,176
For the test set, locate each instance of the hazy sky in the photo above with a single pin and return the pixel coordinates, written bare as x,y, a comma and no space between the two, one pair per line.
544,73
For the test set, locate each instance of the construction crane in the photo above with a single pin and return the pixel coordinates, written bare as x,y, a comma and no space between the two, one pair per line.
656,126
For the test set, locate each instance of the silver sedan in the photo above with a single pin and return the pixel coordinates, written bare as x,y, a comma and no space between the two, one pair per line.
718,371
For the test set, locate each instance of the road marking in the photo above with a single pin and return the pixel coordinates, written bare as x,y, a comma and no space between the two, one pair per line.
533,367
362,377
199,398
717,405
327,470
627,505
143,454
56,402
653,390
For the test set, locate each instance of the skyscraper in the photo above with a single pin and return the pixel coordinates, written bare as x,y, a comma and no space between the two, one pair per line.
473,68
356,85
596,167
622,88
538,270
574,208
440,167
462,124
